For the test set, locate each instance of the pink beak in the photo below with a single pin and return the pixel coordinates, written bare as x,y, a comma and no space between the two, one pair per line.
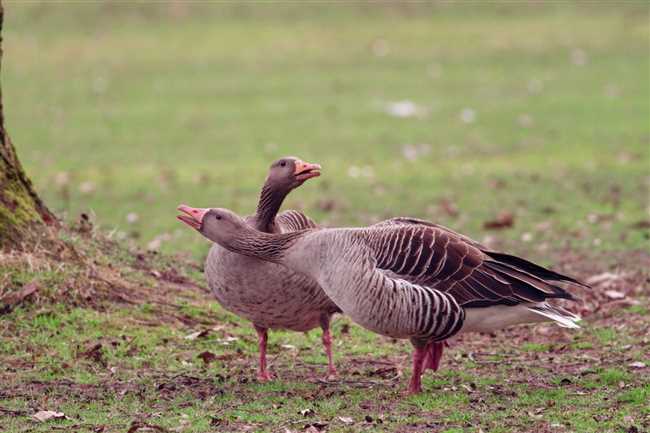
306,170
193,216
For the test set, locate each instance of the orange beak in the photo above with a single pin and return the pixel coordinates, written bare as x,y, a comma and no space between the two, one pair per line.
193,216
305,170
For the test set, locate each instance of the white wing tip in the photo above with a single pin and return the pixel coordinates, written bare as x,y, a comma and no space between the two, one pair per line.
563,318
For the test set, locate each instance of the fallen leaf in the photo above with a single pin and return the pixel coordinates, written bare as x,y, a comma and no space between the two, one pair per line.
327,205
307,412
413,151
637,364
197,334
503,220
346,420
606,278
404,109
468,115
95,353
45,415
87,187
316,426
467,387
207,357
8,302
132,217
643,224
448,207
135,426
380,47
226,341
614,294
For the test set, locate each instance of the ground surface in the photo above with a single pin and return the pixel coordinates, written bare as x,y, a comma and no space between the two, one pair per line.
118,340
532,119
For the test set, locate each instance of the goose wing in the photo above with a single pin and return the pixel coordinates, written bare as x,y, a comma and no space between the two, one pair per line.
293,220
406,221
435,256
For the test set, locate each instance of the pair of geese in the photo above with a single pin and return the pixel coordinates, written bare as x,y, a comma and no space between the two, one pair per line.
403,278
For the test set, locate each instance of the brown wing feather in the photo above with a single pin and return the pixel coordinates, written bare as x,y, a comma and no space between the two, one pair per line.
293,220
507,259
442,259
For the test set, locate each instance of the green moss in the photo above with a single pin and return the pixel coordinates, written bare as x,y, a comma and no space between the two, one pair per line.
15,220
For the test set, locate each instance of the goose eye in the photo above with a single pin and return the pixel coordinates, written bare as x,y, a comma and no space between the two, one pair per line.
283,164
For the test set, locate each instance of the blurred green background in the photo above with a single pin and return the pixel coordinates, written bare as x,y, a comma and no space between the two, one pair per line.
454,112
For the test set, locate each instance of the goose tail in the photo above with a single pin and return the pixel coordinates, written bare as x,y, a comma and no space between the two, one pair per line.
559,315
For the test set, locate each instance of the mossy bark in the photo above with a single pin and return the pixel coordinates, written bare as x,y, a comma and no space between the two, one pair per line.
21,210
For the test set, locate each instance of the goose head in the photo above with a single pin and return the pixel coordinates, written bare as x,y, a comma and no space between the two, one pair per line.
290,172
219,225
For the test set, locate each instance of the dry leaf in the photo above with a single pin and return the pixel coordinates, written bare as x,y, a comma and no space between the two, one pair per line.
227,340
606,278
45,415
346,420
637,364
8,302
207,357
95,353
503,220
197,334
448,207
614,294
404,109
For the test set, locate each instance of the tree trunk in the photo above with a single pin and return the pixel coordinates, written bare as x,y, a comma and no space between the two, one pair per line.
21,210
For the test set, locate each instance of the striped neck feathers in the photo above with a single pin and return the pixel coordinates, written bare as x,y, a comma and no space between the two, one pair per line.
271,198
270,247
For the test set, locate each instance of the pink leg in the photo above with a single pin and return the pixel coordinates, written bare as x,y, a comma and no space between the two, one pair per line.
415,385
262,336
327,343
434,353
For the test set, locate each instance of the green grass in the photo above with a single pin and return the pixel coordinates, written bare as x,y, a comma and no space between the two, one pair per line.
143,107
153,374
117,109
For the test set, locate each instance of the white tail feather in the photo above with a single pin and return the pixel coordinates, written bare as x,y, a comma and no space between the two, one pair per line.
559,315
490,319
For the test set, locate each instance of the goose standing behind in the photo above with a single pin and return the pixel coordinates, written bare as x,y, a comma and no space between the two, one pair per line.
410,280
267,294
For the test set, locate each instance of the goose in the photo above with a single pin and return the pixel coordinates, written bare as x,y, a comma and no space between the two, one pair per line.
406,278
267,294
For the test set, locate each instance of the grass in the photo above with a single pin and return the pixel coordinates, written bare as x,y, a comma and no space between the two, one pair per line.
122,111
153,375
142,107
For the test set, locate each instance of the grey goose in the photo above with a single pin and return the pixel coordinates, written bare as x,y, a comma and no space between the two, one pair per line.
406,278
268,294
